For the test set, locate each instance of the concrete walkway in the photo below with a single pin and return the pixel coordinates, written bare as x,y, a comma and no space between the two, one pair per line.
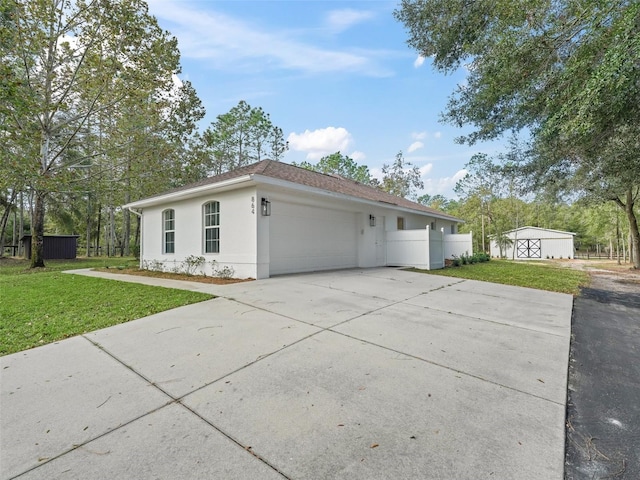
357,374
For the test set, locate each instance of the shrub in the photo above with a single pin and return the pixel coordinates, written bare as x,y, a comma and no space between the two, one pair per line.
154,265
225,272
192,264
481,257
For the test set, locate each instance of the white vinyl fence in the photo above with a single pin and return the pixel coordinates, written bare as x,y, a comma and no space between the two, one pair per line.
425,249
408,248
458,244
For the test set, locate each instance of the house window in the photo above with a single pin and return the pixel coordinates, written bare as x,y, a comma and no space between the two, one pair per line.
433,225
453,229
169,231
212,227
400,223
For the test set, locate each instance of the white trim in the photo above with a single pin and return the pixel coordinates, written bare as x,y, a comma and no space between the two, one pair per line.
257,179
540,229
261,179
189,193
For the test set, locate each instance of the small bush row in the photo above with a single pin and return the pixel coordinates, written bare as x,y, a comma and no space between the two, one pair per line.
190,266
465,259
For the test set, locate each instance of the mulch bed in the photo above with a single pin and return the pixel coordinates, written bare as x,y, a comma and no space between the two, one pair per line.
174,276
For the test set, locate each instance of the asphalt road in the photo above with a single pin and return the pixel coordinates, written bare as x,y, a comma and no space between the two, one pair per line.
603,408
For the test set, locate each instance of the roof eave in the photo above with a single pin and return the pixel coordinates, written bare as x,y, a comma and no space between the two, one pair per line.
256,179
262,179
191,192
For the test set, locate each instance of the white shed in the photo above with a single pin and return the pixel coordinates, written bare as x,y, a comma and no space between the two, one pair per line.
534,243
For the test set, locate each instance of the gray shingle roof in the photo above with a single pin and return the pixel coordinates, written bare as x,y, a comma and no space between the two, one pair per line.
309,178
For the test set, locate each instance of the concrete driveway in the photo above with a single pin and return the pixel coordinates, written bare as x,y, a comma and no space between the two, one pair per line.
357,374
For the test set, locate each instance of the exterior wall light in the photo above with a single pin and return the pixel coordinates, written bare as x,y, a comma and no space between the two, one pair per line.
372,221
265,207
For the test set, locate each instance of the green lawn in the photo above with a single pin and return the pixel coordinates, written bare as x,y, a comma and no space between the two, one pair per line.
44,305
543,276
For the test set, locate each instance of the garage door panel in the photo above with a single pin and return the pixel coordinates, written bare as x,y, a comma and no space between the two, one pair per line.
305,238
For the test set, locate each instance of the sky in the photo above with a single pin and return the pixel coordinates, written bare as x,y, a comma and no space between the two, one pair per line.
334,75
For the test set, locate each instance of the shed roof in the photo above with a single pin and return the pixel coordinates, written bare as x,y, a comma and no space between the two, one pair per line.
540,229
299,176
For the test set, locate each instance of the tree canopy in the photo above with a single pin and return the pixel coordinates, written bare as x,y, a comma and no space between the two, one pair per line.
88,94
567,72
243,135
342,165
401,178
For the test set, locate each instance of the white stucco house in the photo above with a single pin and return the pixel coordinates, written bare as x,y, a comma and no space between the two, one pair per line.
272,218
534,243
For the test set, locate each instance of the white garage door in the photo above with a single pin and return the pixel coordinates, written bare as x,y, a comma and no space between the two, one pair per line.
304,239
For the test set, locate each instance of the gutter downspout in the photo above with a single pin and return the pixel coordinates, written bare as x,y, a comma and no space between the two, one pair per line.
139,215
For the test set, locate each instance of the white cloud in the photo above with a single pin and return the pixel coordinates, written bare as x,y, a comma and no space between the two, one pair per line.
357,155
320,142
426,169
459,175
419,135
418,61
437,135
230,43
415,146
443,185
376,172
340,20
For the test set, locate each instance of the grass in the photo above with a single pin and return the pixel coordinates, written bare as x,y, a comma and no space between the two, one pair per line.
41,306
543,276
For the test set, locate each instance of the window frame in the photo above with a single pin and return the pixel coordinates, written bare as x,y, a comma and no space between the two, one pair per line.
166,231
211,227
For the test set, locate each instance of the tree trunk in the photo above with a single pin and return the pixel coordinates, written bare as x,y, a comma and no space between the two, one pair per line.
136,241
99,210
9,205
21,228
618,238
126,224
14,237
610,248
634,245
88,225
37,232
112,232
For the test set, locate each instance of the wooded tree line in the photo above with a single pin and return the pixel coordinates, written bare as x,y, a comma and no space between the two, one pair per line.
92,114
492,201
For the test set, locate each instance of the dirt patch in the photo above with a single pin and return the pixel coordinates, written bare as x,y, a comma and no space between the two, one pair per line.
610,282
174,276
605,265
11,260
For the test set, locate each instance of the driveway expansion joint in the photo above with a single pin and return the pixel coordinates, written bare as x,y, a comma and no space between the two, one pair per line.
175,400
477,377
